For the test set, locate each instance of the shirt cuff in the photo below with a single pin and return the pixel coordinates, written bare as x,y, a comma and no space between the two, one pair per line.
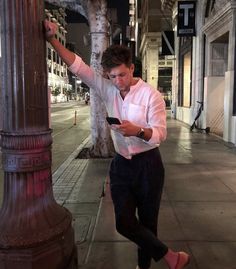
157,137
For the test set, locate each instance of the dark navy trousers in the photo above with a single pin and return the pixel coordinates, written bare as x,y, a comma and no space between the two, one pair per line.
136,188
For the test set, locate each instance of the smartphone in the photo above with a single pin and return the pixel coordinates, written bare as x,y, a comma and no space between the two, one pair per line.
112,120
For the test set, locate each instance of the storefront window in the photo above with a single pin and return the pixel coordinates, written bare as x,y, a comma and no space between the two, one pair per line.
185,70
234,98
219,59
187,79
0,42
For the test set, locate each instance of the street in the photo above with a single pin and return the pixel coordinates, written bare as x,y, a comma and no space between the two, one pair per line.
66,136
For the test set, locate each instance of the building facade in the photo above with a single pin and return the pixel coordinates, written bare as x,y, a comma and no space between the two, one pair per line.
0,80
58,82
156,68
204,69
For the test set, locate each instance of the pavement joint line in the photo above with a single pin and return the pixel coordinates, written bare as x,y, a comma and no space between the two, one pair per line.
92,241
56,175
66,194
93,232
71,173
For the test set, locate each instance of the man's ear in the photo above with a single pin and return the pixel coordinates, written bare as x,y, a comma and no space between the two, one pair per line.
132,67
105,74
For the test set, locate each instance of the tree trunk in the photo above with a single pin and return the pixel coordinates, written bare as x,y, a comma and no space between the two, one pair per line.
96,13
101,138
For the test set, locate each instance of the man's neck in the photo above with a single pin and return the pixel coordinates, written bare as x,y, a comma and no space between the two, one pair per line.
123,93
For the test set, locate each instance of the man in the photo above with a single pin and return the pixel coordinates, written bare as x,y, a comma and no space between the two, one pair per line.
136,172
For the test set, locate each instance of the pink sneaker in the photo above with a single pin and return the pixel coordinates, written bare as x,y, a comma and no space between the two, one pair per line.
183,260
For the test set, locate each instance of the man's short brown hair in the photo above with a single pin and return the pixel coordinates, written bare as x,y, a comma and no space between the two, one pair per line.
116,55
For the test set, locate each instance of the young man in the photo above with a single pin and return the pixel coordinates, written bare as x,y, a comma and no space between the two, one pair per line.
136,172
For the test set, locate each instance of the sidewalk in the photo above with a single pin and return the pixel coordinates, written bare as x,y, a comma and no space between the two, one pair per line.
198,212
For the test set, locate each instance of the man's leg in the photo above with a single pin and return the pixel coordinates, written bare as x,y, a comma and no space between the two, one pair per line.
123,185
151,180
122,195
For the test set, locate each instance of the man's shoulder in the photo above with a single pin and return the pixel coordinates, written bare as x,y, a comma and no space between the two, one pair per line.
148,87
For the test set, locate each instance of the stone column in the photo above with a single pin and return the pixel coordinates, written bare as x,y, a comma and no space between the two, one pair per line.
35,232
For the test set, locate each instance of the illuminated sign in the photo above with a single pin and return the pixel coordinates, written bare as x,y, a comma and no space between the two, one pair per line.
186,18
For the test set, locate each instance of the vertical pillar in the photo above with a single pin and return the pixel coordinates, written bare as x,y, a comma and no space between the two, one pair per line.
35,232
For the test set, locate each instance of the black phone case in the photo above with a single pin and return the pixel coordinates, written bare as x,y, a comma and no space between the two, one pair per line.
112,120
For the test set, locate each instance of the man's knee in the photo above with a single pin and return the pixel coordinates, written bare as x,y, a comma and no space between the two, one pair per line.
125,225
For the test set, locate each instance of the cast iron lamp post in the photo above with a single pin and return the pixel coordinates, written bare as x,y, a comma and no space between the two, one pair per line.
35,232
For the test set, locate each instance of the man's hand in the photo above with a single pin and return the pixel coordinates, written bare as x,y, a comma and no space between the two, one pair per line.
126,128
50,29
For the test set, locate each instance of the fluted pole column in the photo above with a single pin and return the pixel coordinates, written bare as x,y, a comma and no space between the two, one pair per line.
35,232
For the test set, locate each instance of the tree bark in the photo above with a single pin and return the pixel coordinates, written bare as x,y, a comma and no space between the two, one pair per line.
96,13
101,138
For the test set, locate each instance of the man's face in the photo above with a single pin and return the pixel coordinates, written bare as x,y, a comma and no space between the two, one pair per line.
121,76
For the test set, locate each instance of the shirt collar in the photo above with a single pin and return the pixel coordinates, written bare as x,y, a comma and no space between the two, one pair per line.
137,85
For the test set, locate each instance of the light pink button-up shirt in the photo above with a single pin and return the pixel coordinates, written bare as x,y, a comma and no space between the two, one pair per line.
143,106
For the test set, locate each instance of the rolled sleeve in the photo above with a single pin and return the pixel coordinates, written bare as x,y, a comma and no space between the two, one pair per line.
84,72
158,135
91,78
157,120
74,68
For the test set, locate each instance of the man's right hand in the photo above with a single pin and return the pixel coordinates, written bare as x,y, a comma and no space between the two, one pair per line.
50,29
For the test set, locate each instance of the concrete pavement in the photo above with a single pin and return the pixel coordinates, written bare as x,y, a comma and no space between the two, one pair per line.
66,135
198,212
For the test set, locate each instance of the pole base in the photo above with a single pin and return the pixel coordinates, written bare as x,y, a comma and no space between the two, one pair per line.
59,253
